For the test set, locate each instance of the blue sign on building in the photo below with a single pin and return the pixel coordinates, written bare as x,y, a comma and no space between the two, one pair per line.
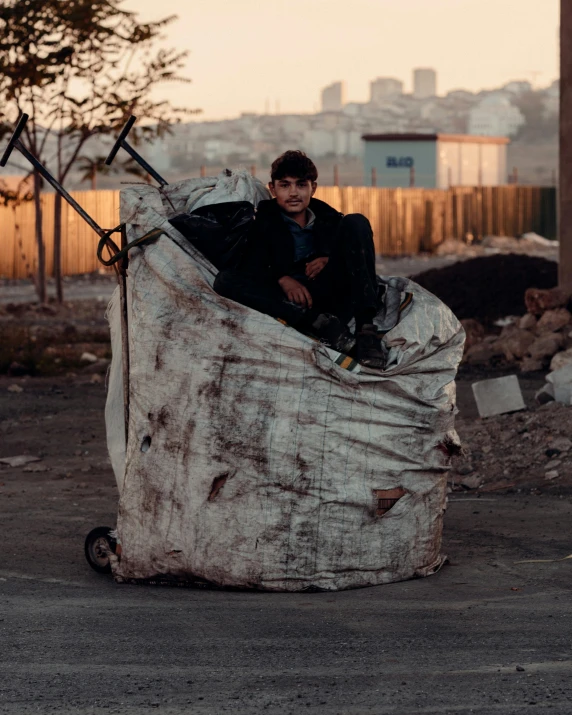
394,162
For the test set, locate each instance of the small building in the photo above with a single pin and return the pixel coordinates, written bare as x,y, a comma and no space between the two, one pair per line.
434,161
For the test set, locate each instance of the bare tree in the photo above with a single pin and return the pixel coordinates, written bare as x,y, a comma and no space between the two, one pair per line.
79,68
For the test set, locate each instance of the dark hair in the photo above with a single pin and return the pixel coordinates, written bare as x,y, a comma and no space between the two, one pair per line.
295,164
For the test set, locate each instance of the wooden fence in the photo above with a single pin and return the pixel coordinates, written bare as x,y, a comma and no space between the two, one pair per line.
79,241
405,221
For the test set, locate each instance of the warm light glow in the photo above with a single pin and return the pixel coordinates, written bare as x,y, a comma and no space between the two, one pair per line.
248,55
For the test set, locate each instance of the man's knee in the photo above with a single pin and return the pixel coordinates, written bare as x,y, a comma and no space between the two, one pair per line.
357,224
356,230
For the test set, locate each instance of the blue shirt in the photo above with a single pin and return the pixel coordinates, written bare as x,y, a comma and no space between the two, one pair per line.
303,236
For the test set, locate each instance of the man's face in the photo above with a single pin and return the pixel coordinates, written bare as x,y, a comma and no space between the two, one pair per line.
293,195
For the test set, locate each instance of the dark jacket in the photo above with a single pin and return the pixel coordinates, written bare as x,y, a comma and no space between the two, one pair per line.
271,246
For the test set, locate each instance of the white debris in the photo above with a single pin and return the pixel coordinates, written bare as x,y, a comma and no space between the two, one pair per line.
498,396
540,240
88,357
561,381
20,460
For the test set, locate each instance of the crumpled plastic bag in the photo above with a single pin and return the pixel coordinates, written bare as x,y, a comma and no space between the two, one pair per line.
219,231
228,186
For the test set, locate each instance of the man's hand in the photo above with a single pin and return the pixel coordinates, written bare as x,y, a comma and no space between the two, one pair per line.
316,266
295,291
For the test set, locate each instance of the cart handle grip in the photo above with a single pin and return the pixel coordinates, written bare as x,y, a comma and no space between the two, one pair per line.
14,138
120,139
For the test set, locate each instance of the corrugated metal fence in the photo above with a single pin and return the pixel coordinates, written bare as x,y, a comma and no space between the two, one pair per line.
405,221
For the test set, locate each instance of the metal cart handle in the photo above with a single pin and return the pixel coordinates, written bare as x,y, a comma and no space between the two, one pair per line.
14,138
120,139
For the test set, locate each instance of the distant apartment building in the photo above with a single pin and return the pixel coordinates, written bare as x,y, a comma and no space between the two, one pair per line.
384,87
424,83
333,97
495,116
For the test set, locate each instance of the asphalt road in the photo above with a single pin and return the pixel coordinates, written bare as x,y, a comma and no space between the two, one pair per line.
485,635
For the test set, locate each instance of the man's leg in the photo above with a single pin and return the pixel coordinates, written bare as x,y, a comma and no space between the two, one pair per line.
260,294
267,297
356,258
355,264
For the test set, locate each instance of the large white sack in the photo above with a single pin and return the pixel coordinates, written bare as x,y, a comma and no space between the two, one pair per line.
253,459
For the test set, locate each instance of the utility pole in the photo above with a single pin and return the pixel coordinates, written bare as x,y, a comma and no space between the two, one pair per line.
565,174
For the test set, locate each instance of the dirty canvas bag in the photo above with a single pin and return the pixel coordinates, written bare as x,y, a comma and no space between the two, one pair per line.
256,457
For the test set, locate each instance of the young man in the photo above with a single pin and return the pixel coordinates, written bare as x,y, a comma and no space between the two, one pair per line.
309,265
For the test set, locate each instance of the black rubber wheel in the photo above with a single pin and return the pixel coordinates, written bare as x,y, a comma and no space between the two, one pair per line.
97,545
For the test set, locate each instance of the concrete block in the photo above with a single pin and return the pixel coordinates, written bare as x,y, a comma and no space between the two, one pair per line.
498,396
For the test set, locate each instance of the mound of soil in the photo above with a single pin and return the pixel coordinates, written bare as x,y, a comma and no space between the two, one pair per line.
489,287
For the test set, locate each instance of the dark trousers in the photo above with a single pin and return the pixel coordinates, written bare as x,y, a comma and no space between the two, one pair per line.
346,287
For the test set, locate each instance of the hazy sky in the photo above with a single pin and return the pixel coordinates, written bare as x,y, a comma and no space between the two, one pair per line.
247,52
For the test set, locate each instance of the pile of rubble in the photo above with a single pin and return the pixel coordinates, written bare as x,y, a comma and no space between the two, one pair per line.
530,244
539,340
520,451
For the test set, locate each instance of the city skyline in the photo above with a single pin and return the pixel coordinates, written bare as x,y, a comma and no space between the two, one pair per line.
252,56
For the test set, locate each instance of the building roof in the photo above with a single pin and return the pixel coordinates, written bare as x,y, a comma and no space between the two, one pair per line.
458,138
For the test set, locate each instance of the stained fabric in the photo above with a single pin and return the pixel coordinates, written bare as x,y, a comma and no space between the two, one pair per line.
269,461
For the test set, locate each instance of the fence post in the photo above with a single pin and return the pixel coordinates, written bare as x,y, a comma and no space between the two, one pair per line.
515,175
412,177
449,177
336,175
373,176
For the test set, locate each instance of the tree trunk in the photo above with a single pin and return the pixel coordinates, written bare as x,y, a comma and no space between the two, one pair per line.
58,248
565,179
41,269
